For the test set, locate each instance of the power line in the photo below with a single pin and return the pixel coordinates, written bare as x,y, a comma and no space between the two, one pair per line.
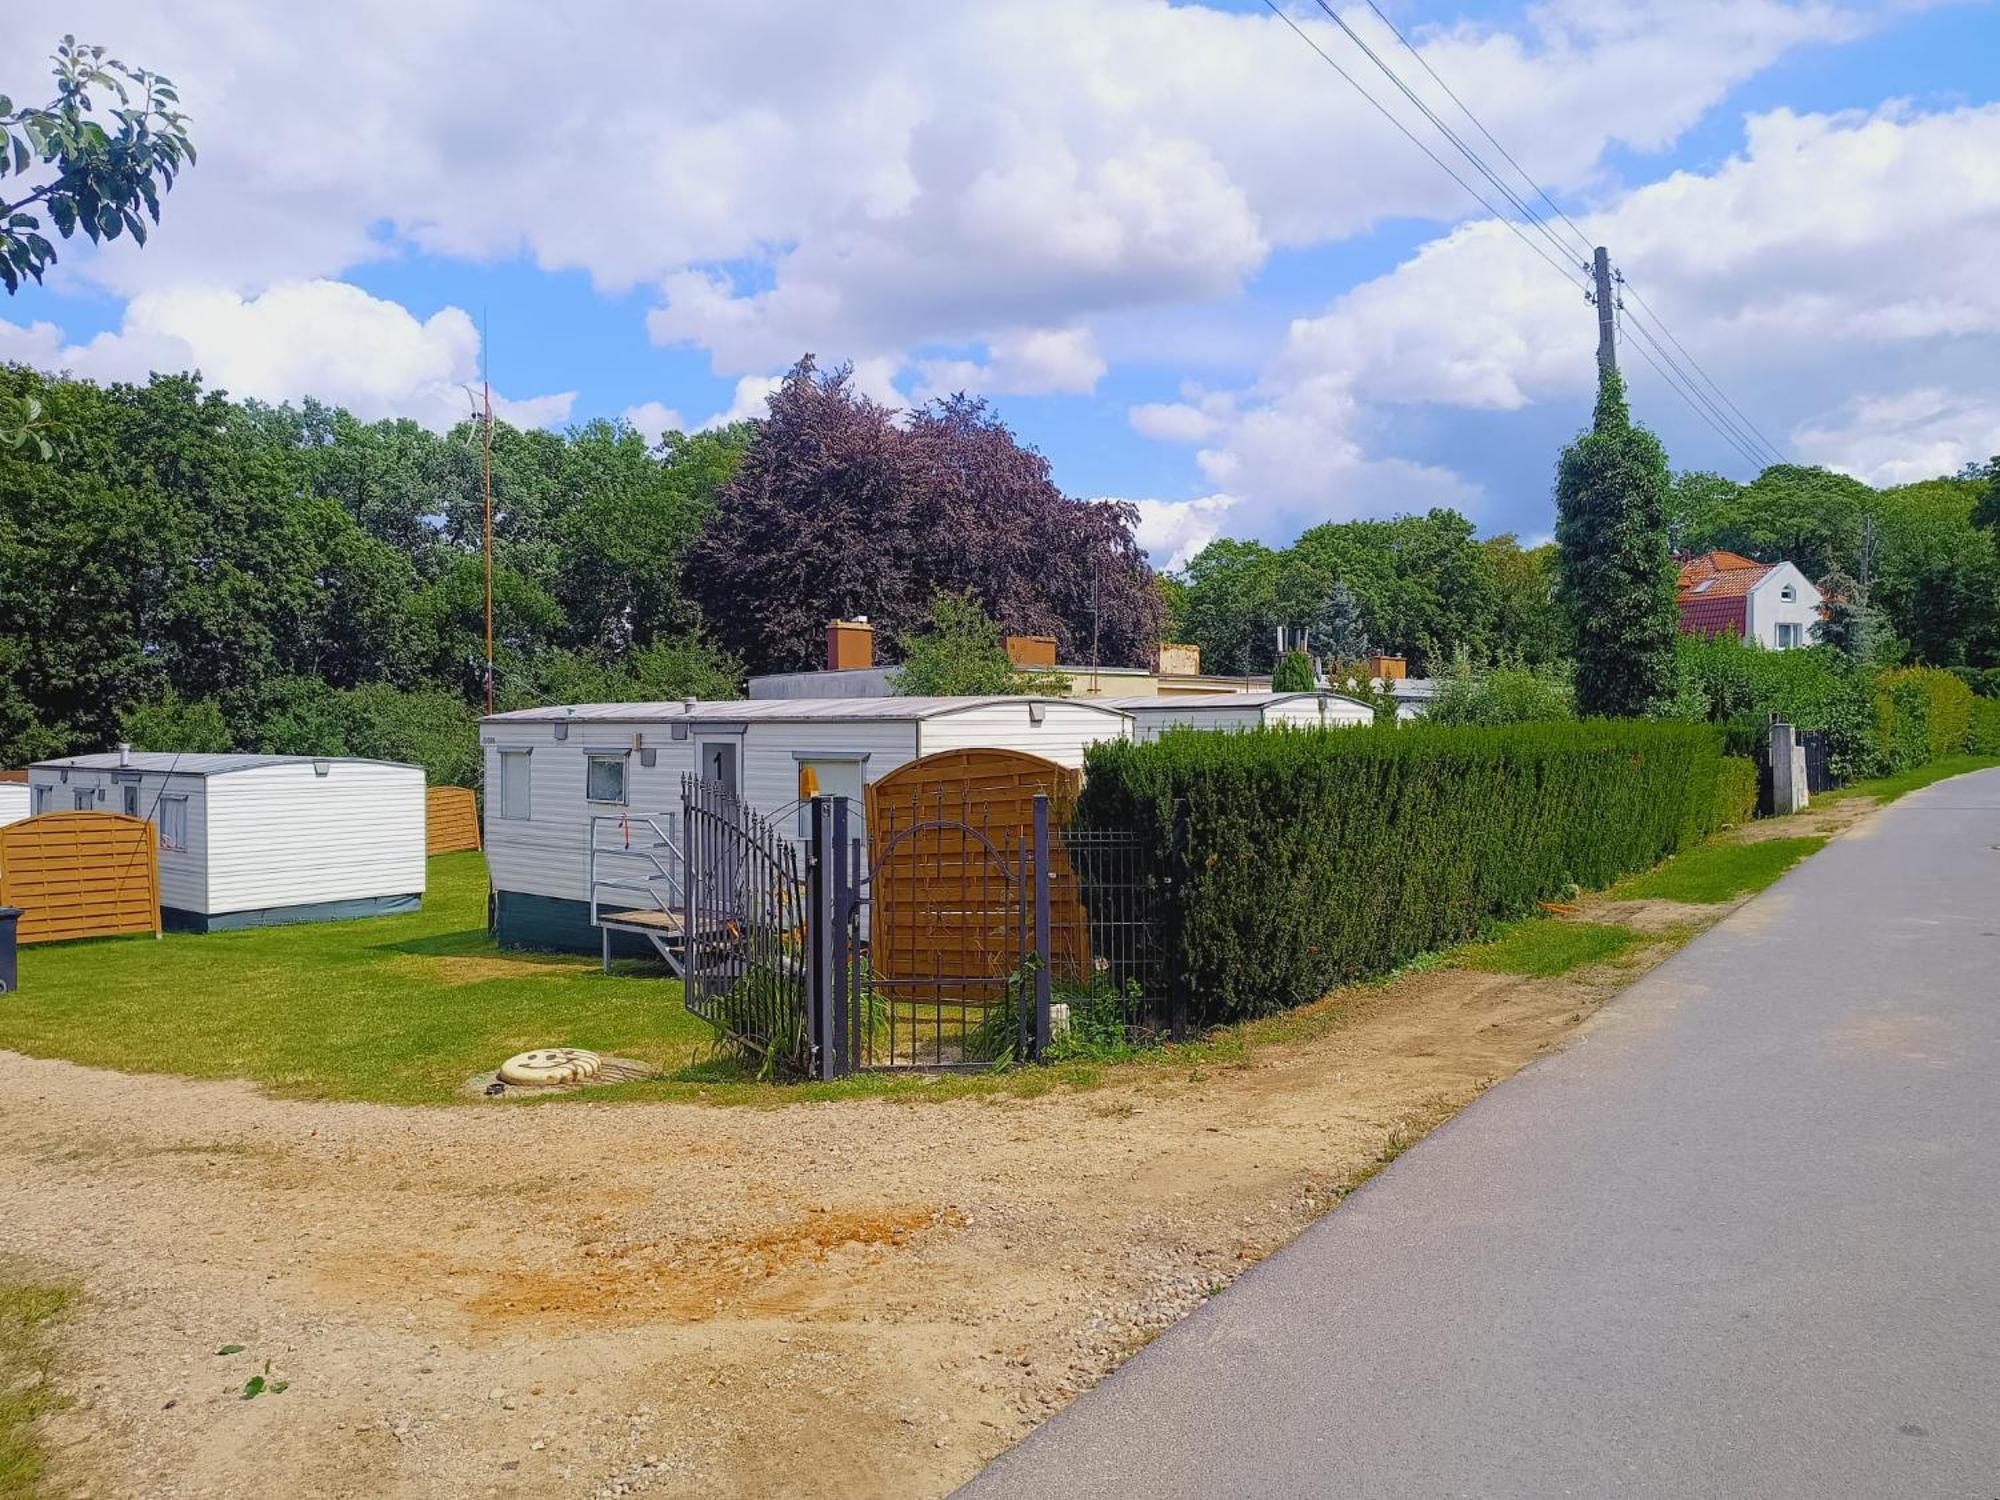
1777,453
1582,239
1560,268
1677,380
1478,162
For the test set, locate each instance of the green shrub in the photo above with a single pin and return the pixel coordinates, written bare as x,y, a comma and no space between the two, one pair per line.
1922,714
1293,673
1309,858
1985,736
1735,791
1724,681
1506,695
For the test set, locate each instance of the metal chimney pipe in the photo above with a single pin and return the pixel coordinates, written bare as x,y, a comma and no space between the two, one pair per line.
124,754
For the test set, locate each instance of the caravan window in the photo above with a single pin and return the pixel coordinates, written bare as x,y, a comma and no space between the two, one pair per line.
174,822
834,777
83,798
131,801
517,800
42,799
604,778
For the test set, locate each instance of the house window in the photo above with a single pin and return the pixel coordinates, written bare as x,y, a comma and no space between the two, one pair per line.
1789,594
604,778
1788,636
832,777
174,822
517,799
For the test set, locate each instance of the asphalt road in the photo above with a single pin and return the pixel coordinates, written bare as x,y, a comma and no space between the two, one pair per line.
1741,1238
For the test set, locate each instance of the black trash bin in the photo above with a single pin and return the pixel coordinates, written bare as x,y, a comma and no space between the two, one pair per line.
9,915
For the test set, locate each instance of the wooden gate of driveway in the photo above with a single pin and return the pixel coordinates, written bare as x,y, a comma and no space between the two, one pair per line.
945,840
80,875
451,819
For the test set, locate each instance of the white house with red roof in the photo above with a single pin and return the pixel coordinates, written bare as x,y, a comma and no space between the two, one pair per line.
1725,593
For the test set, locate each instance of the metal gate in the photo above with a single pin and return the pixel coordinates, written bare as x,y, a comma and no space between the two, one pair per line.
744,927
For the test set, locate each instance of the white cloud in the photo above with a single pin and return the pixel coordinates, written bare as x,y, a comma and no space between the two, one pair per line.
751,393
1195,419
862,180
1894,439
1173,531
319,338
1835,251
1030,362
653,419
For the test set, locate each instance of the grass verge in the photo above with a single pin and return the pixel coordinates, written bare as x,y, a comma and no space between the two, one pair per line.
28,1312
1889,788
1542,947
1716,872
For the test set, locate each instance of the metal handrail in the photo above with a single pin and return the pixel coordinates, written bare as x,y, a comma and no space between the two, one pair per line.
663,886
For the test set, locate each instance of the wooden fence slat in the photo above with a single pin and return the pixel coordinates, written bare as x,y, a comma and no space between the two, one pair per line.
451,819
80,875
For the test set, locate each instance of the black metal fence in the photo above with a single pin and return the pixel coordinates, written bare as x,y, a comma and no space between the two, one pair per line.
743,928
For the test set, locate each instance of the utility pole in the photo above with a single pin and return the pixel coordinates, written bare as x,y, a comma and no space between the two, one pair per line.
1607,309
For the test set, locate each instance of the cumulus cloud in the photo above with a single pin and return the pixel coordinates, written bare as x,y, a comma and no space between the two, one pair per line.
1032,362
653,420
320,338
1173,531
1835,250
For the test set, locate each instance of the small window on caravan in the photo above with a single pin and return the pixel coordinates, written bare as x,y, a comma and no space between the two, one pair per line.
174,822
43,796
517,798
604,778
832,776
83,798
131,801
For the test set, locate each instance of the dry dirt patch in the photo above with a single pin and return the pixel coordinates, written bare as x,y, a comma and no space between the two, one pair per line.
860,1298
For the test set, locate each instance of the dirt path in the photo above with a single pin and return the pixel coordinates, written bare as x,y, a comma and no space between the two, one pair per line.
861,1298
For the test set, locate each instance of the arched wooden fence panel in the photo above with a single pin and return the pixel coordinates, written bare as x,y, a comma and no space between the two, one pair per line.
451,819
945,838
80,875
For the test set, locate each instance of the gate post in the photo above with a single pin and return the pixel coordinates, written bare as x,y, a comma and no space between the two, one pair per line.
1042,945
819,940
690,966
1176,883
840,1001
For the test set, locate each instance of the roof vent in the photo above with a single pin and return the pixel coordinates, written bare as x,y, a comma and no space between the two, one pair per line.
124,754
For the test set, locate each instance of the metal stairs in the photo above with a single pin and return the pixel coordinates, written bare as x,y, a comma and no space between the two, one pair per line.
635,885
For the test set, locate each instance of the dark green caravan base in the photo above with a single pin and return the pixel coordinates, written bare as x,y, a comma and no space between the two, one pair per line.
179,919
551,923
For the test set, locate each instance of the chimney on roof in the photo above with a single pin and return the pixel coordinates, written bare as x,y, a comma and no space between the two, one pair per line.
124,754
1031,652
1179,661
1387,668
850,644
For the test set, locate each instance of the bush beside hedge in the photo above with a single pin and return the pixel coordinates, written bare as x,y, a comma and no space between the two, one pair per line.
1315,857
1985,736
1922,714
1735,791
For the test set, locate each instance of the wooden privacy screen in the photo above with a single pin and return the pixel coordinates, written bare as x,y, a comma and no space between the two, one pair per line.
80,875
945,837
451,819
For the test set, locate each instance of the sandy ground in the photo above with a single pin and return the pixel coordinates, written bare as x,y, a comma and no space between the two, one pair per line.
860,1298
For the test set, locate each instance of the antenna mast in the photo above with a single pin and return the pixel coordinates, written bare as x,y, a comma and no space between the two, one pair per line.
486,467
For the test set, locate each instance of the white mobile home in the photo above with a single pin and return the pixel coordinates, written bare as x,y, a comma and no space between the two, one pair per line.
259,840
1151,717
13,798
562,780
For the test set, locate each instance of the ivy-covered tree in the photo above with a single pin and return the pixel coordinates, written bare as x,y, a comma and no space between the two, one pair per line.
1617,575
960,652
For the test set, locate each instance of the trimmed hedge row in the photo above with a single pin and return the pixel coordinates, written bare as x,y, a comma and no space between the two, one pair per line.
1313,857
1985,736
1735,791
1922,714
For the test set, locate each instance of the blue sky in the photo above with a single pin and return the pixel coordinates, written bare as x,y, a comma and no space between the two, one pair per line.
1166,240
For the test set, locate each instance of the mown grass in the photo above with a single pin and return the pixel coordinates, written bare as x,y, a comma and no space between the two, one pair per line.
1889,788
28,1312
396,1009
1542,947
1716,872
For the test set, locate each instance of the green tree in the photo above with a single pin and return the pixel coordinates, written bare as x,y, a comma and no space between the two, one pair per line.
1617,575
106,182
959,652
1293,673
1529,624
171,723
1848,622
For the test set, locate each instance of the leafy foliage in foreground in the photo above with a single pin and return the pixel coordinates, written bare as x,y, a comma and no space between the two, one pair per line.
1311,858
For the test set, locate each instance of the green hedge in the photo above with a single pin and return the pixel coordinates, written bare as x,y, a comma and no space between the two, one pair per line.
1985,736
1922,714
1314,857
1735,791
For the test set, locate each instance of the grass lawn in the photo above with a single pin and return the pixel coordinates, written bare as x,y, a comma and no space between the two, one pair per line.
398,1009
1889,788
1718,871
27,1310
1543,947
